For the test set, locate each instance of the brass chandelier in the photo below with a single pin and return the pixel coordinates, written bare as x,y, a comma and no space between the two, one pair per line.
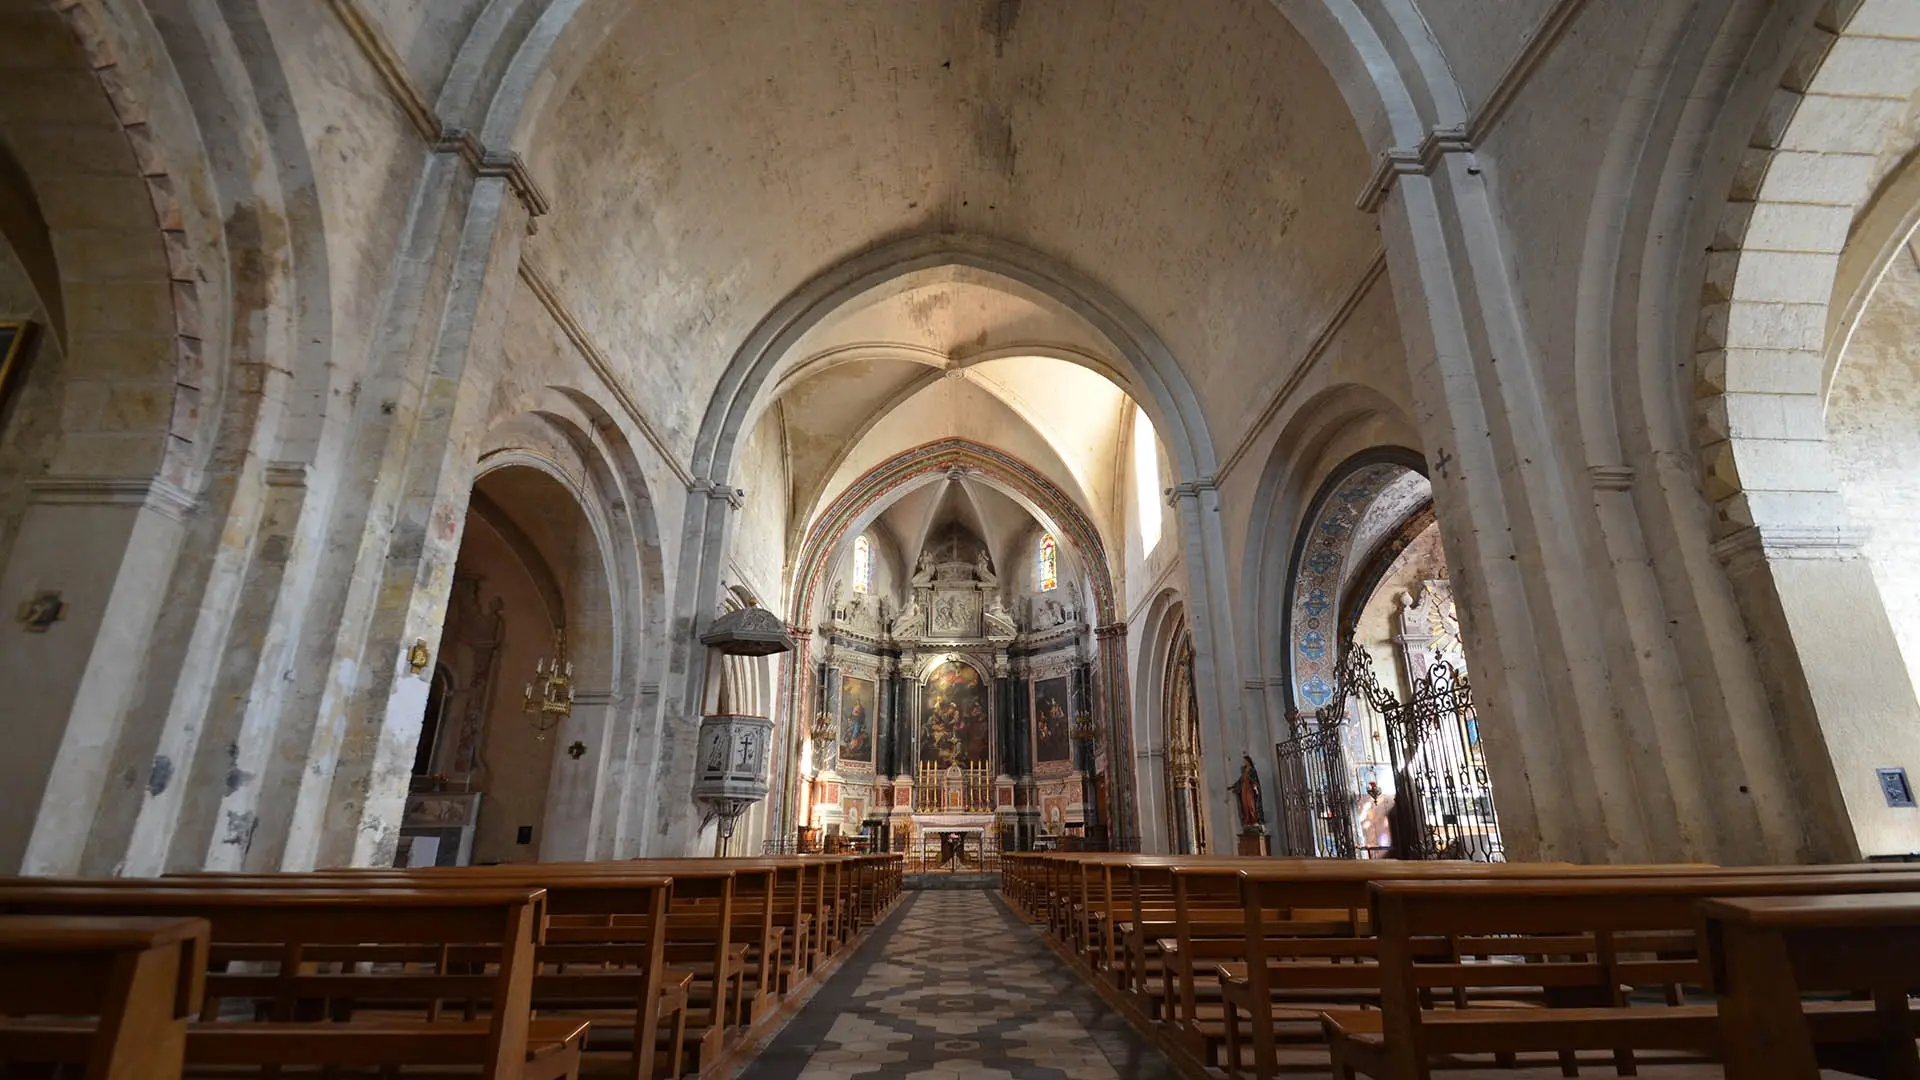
549,698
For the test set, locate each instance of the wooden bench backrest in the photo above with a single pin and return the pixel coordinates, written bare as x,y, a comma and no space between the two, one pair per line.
1568,932
71,965
504,919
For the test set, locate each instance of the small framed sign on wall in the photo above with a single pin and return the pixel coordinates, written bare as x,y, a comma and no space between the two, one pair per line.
1894,785
13,345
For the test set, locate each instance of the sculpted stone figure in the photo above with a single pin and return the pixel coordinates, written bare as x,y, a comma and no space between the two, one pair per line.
923,571
911,624
999,620
983,570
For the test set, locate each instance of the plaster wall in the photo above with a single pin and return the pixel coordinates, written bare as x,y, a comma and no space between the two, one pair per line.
30,418
428,33
1542,163
759,553
1482,37
537,359
1873,425
1351,388
1149,562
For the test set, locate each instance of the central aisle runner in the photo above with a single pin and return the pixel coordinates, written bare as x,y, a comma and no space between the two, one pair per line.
954,987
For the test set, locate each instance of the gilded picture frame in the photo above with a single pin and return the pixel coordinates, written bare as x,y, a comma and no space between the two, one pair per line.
14,335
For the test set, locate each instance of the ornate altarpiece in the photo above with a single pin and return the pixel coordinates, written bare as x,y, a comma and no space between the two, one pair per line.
925,768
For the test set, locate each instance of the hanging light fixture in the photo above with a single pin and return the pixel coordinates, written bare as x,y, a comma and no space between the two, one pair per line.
549,697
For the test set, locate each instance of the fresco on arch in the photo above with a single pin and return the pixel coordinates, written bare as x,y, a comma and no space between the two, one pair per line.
955,726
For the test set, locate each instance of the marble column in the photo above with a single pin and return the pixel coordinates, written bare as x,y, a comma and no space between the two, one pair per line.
1007,756
1116,719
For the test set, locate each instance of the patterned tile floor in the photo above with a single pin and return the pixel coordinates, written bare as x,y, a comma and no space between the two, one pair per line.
954,987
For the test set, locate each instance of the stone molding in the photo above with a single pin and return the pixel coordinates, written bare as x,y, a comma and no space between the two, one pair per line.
1759,544
593,697
1395,162
1191,489
1611,477
287,474
440,136
148,493
1398,161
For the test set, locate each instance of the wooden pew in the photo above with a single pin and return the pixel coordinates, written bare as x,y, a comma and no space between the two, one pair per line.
614,976
301,931
1765,953
1570,947
140,979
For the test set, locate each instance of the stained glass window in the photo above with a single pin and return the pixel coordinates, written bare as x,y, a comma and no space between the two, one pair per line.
862,564
1046,568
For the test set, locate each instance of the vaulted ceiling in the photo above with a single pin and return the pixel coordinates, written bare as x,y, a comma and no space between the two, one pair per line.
948,353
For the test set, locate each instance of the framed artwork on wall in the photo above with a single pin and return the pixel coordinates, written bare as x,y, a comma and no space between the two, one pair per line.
954,724
856,719
13,347
1052,739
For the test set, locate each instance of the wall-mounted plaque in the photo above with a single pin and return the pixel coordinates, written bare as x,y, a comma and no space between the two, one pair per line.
1895,786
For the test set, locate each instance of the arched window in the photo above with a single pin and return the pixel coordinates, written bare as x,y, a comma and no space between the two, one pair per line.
862,564
1146,475
1046,564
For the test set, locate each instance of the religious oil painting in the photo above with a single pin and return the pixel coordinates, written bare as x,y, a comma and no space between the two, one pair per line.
955,728
1051,721
856,720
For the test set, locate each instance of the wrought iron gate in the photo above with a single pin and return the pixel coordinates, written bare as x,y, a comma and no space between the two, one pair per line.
1442,795
1316,792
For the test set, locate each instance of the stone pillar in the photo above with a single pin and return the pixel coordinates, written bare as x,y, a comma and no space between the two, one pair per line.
884,723
907,718
1007,750
1086,748
1183,776
788,787
1021,723
1116,717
